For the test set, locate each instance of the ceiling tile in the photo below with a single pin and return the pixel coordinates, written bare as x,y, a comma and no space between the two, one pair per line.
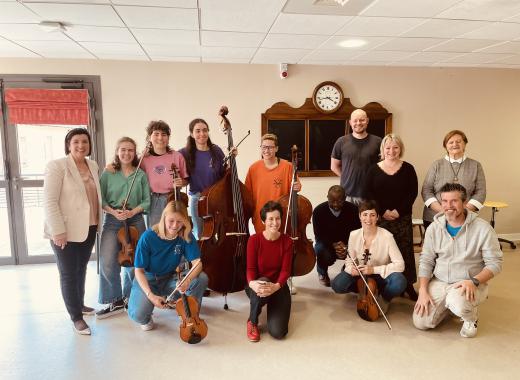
159,18
239,16
29,32
68,1
444,28
407,63
222,52
379,26
100,34
371,42
306,61
175,59
334,55
225,60
166,36
512,59
122,57
455,64
16,13
505,47
496,31
172,50
264,55
112,48
81,14
491,10
57,49
462,45
330,7
308,24
479,58
9,49
231,39
515,18
158,3
409,44
431,56
381,55
365,63
407,8
296,41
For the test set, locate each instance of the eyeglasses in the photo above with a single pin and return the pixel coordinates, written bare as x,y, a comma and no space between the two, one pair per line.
267,147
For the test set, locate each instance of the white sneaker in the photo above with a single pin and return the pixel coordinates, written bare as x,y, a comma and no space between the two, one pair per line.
292,288
469,329
148,326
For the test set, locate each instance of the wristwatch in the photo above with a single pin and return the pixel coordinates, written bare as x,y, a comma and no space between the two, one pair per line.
475,281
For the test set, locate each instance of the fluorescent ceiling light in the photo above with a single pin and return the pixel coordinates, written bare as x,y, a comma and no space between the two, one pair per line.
352,43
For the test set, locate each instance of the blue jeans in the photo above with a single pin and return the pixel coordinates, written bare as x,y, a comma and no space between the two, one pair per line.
140,308
158,203
325,257
110,289
391,286
194,212
72,264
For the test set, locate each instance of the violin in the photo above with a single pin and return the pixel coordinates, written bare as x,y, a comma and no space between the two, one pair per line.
176,193
366,304
298,212
128,236
192,329
225,209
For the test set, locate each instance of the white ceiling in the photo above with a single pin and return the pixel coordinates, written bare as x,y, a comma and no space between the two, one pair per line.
463,33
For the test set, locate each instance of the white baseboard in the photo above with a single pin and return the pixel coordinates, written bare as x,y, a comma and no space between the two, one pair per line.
512,237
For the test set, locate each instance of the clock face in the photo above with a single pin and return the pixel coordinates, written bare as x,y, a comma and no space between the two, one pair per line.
328,97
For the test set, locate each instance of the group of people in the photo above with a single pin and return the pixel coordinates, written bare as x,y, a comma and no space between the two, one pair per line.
366,221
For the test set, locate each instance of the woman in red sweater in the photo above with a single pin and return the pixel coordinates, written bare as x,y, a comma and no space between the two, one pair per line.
269,259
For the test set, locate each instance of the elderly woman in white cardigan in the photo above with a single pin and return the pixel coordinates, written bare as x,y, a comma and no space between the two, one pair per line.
72,208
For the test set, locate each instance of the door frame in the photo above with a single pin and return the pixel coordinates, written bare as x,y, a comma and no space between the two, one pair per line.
92,83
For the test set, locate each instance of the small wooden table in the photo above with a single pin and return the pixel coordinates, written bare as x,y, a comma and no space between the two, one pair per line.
495,207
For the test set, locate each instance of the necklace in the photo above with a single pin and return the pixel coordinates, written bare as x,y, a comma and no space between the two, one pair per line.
455,174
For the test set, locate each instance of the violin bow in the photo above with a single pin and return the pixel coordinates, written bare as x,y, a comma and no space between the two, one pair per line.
179,284
146,147
370,291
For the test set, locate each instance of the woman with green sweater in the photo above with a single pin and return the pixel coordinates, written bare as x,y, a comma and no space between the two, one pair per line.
114,189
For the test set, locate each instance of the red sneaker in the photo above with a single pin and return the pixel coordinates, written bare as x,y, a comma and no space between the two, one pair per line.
252,332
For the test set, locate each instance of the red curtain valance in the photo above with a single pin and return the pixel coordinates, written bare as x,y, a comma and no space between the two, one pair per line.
46,106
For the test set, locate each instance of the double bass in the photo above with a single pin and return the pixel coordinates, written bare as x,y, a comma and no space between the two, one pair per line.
298,212
225,209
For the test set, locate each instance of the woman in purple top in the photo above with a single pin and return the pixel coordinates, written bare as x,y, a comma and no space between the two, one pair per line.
205,164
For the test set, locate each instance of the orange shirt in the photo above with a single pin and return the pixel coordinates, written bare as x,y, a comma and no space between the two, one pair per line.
267,185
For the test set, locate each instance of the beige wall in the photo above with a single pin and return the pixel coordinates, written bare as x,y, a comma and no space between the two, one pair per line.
425,102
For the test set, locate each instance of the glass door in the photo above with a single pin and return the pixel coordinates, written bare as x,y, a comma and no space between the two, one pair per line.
29,147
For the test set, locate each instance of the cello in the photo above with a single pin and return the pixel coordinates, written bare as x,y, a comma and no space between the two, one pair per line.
225,209
298,212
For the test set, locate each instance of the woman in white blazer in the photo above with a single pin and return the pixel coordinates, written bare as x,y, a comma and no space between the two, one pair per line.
72,208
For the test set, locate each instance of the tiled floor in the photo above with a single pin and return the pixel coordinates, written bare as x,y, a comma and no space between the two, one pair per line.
326,340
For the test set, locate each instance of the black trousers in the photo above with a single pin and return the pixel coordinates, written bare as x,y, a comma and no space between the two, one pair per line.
72,265
278,310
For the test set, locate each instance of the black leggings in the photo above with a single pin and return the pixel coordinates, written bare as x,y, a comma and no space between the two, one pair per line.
278,310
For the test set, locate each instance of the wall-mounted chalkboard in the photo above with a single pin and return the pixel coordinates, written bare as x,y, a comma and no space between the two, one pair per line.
315,133
289,133
322,136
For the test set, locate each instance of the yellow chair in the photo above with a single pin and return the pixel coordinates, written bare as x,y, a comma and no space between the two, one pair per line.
495,207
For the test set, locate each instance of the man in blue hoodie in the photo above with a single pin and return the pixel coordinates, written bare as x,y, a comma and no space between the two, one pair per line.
460,255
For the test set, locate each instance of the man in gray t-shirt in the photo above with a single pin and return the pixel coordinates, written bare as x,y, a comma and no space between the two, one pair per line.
353,155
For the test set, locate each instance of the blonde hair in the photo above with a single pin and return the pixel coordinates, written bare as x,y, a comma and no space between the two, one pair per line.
394,138
171,208
270,136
